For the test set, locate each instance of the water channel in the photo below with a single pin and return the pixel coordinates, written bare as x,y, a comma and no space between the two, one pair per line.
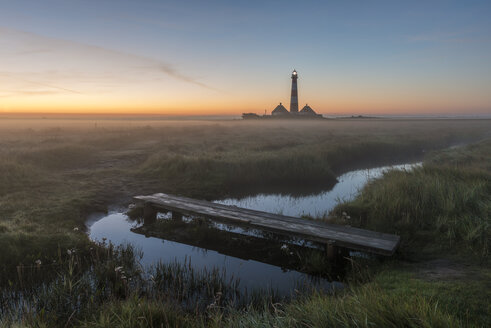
116,227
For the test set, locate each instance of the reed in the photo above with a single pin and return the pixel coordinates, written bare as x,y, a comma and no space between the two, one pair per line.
52,177
445,203
364,307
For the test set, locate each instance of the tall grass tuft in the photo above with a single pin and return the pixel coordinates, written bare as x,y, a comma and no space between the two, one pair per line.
71,287
366,306
447,204
137,312
194,289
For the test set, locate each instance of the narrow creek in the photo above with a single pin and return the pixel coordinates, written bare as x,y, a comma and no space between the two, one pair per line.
116,227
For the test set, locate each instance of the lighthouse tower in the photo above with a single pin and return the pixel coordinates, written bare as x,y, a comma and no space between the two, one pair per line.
294,98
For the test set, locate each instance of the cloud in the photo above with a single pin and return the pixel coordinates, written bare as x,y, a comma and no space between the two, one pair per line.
34,60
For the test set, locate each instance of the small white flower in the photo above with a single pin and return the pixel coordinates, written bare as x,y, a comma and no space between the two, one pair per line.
69,251
117,269
344,214
75,229
38,262
348,217
284,247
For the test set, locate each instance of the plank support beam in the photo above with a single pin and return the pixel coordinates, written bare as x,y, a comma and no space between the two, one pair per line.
176,216
149,214
331,251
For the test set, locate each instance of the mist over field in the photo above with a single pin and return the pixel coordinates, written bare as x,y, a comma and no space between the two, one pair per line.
245,164
55,172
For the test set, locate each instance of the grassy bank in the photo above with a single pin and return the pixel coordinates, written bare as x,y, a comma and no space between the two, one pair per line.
442,212
52,178
443,206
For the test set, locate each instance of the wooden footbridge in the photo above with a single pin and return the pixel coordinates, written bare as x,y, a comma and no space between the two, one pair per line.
332,235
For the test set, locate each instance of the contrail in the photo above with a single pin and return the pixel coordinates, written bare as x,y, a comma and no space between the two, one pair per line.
172,72
50,43
42,84
51,86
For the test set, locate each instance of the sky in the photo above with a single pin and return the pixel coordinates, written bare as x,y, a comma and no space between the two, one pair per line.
228,57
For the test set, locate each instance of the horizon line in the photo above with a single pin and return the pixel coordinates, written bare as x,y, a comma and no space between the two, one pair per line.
339,114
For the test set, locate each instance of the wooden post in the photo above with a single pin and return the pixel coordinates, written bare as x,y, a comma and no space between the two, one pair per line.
343,255
149,214
176,216
331,250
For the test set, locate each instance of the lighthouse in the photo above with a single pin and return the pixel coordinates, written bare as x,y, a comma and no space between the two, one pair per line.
294,97
280,112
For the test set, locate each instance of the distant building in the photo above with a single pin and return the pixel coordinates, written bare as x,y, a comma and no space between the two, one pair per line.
307,110
250,116
281,112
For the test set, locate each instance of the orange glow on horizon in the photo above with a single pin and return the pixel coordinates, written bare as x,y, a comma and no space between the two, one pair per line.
145,109
72,77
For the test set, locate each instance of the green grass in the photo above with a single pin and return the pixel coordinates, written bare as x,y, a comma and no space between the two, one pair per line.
442,213
52,178
445,204
139,312
366,306
466,296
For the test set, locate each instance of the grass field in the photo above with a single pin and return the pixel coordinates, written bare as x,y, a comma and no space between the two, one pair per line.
53,173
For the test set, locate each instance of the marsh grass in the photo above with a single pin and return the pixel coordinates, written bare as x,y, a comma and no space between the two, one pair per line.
195,289
54,293
366,306
108,287
137,312
15,176
60,157
446,203
218,174
442,213
54,173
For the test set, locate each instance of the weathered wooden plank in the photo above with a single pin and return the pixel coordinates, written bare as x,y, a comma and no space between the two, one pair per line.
284,217
302,228
354,238
321,225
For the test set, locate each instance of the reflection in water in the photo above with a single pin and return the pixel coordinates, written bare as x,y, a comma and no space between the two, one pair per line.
318,205
116,228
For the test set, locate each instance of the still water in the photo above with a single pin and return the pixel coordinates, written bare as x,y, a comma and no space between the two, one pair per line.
317,205
115,227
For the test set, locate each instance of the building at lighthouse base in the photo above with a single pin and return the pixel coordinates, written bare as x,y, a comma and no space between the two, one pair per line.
307,111
280,112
